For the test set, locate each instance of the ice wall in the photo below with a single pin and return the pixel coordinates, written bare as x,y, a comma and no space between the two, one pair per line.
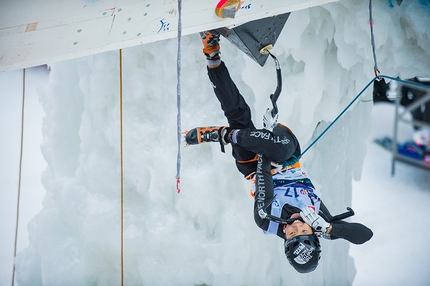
206,234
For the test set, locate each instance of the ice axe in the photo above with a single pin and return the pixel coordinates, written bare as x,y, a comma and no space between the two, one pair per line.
323,213
274,96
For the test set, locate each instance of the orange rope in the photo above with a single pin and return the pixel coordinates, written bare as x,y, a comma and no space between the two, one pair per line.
122,167
20,173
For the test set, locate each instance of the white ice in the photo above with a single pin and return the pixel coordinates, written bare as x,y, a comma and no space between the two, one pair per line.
206,234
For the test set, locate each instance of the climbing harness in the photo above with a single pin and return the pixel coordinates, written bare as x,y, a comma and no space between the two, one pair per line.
178,100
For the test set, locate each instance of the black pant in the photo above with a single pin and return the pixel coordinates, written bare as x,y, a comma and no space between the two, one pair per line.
278,145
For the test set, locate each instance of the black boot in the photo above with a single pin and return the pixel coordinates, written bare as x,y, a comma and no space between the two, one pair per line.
201,135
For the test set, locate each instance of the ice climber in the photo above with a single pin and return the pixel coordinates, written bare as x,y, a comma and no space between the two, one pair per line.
285,201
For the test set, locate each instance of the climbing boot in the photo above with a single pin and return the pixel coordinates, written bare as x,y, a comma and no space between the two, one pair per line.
201,135
210,40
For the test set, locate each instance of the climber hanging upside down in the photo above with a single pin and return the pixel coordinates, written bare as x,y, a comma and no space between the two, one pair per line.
285,201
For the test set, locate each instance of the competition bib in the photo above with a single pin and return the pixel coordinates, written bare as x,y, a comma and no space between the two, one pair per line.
294,188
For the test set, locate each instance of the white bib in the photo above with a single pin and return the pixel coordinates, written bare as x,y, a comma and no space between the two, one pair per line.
290,189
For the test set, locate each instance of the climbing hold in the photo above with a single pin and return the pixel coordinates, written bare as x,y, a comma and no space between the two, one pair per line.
266,50
227,8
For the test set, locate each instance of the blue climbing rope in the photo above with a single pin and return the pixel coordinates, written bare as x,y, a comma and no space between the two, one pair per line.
339,116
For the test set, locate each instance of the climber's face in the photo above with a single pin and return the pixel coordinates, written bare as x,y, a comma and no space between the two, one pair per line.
297,228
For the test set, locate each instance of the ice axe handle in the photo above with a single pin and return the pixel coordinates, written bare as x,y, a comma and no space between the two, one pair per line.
275,106
274,96
344,215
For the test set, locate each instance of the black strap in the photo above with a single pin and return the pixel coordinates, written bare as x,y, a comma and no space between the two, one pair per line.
283,182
